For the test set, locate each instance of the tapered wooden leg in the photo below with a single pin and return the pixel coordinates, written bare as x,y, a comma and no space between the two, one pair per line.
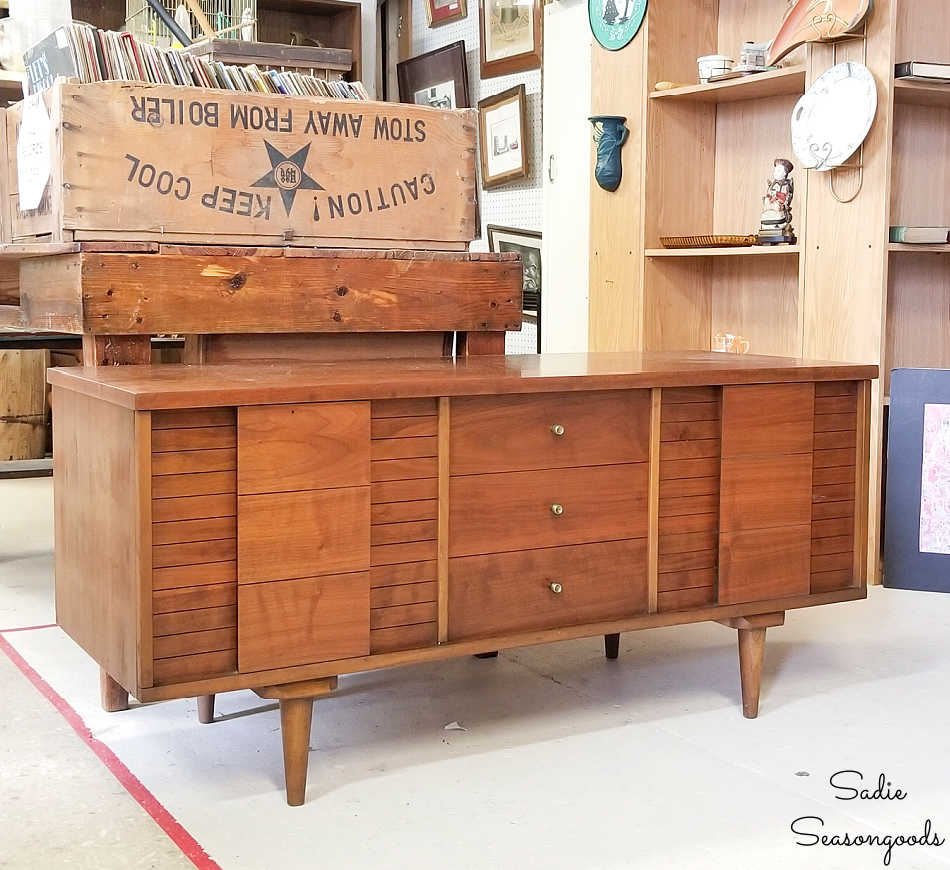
751,655
612,645
205,709
487,655
296,715
112,696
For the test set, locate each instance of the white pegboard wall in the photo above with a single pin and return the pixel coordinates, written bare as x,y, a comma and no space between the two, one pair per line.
516,204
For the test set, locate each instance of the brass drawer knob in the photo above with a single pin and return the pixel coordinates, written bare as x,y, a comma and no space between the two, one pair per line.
557,509
557,430
556,588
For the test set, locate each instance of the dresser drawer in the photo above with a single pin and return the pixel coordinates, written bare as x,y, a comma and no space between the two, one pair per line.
284,448
285,535
520,433
299,622
492,513
537,589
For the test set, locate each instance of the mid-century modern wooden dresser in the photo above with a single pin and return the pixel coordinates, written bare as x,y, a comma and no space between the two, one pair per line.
273,526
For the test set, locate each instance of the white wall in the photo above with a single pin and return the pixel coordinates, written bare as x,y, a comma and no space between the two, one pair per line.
517,204
567,170
368,20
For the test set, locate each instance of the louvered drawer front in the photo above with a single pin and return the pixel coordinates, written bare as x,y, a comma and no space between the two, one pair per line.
194,544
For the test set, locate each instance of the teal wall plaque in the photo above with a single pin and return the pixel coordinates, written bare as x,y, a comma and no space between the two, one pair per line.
615,22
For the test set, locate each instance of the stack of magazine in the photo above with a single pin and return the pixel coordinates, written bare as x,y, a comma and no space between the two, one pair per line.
82,52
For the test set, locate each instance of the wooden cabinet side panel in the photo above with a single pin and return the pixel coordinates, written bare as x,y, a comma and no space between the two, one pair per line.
97,515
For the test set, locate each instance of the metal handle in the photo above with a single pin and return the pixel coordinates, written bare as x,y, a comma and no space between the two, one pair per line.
556,588
557,509
550,165
557,430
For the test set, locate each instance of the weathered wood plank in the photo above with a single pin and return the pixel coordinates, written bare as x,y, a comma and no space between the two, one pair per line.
223,294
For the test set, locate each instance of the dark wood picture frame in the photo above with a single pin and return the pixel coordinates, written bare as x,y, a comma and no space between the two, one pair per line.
484,139
525,60
445,14
434,67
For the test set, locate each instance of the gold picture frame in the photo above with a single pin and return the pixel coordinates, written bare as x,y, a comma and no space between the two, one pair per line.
502,137
509,36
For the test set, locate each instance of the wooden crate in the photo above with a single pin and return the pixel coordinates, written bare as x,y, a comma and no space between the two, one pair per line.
138,162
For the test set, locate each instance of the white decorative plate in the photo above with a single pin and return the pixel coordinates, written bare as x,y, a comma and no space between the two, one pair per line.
833,117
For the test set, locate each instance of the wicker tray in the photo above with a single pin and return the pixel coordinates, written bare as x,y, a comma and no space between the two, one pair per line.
707,241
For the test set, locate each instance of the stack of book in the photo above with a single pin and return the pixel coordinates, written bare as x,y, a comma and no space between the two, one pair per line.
926,73
82,52
920,235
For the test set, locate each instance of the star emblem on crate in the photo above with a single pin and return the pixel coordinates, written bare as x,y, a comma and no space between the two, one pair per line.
287,174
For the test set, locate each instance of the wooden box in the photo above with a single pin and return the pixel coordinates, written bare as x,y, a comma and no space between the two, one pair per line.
139,162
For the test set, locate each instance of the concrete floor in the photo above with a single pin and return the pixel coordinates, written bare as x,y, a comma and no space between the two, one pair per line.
566,761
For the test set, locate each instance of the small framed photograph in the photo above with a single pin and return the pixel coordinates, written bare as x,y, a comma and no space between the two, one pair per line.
444,11
527,243
437,78
502,131
510,33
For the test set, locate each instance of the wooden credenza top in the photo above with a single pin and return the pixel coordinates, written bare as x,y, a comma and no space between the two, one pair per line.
179,386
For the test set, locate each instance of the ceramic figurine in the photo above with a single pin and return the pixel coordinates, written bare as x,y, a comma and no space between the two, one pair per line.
610,134
776,222
247,25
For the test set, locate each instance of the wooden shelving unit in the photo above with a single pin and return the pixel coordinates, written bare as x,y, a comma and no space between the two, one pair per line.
899,248
787,80
696,163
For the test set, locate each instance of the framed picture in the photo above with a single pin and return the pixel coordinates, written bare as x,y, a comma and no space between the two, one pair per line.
443,11
502,131
917,507
437,78
528,244
510,33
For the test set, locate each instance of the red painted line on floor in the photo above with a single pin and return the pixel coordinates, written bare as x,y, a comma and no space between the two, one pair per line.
27,628
164,819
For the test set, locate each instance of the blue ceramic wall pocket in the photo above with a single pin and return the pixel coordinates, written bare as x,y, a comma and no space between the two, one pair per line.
610,134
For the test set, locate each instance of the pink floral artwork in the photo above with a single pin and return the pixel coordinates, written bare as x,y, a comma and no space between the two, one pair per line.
935,481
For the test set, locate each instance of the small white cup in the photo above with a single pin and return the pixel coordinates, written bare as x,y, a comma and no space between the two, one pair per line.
713,65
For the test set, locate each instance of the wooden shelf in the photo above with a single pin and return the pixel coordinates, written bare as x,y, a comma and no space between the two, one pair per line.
900,247
753,251
305,7
780,82
920,94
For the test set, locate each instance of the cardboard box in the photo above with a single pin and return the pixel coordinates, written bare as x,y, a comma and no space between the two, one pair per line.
138,162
